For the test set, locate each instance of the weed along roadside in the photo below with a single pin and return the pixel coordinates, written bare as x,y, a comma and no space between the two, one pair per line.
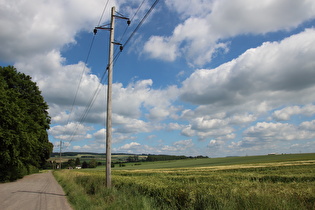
273,185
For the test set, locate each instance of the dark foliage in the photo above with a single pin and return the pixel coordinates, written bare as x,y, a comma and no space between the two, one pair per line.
92,163
164,157
77,162
85,164
24,121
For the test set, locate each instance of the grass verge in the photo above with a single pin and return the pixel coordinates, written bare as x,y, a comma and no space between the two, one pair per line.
86,191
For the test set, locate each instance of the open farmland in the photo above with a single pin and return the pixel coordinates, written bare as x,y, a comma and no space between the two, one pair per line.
225,161
273,184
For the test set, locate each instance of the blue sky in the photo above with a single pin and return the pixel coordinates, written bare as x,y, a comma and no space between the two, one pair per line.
204,77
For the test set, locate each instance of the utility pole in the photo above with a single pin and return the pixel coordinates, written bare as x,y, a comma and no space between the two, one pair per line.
109,90
60,154
109,101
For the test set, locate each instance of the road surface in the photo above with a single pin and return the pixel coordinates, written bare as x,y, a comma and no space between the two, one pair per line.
33,192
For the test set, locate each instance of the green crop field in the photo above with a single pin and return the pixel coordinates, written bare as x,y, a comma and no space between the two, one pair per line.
260,182
205,162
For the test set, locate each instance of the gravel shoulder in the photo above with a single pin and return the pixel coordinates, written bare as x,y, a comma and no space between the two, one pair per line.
34,192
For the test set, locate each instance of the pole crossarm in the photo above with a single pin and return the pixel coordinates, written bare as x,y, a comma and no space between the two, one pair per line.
121,17
103,28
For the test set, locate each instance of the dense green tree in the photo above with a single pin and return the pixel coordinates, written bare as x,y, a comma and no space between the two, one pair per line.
165,157
93,163
77,161
133,158
85,164
71,163
24,122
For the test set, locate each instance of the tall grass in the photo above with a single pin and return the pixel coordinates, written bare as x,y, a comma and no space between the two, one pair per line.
86,191
281,187
264,186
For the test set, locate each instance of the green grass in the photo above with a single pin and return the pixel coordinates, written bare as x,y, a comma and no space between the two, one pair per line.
260,182
86,191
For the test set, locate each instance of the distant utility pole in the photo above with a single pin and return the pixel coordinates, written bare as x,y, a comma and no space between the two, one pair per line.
60,154
109,92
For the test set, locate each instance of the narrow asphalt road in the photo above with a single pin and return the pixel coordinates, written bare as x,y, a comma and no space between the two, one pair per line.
33,192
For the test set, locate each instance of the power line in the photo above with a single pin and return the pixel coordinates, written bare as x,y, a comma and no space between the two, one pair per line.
77,90
93,98
99,22
132,19
86,61
141,22
136,29
137,10
87,108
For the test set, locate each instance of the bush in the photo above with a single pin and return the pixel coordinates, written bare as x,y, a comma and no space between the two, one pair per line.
93,163
85,164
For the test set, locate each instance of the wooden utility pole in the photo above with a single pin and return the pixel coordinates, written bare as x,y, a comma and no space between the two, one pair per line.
60,154
109,101
109,90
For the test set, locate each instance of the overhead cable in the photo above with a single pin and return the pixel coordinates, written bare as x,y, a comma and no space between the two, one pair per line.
93,98
80,81
99,22
88,107
136,29
78,87
141,22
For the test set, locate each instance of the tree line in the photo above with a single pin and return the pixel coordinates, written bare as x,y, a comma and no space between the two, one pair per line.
171,157
73,163
24,121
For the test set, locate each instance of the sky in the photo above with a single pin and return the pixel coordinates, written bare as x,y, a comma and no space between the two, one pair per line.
199,77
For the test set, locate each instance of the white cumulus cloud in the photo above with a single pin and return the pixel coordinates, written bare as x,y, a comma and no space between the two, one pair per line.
200,35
